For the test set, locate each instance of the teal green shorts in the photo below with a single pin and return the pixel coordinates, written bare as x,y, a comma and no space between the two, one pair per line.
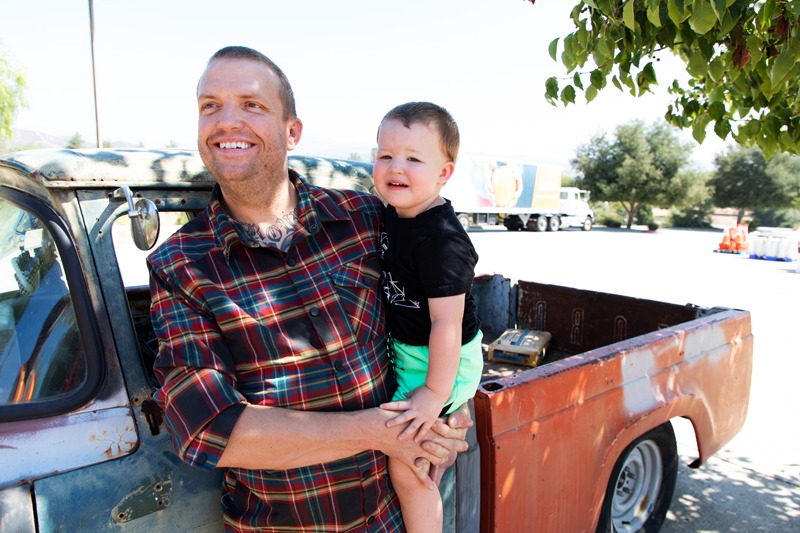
411,367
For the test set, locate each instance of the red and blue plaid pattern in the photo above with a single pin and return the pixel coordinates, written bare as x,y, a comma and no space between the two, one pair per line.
303,329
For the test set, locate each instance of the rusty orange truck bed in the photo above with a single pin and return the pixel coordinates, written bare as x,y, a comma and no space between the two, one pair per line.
556,440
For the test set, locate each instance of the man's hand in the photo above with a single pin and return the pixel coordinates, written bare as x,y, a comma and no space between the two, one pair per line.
447,437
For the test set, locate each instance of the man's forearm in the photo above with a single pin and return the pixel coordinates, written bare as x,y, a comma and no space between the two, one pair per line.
270,438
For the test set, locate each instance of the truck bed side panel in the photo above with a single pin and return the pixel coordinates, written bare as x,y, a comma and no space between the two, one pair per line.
548,433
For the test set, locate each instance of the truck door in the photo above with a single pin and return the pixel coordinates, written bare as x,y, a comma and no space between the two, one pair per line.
56,415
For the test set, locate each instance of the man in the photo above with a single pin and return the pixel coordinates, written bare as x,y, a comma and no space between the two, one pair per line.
271,342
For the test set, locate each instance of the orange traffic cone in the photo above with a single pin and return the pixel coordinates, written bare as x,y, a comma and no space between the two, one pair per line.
725,245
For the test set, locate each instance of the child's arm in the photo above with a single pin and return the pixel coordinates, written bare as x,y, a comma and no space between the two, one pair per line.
425,405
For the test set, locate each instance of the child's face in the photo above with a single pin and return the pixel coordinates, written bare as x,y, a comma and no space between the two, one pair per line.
410,167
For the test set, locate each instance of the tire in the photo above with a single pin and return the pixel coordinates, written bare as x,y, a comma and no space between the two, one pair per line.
512,223
587,224
464,219
539,224
553,223
640,489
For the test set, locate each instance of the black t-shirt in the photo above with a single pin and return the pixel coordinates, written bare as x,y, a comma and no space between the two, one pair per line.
428,256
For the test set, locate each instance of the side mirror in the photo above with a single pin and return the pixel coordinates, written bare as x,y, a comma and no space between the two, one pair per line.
144,219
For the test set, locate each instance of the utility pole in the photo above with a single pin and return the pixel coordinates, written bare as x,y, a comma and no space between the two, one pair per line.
94,74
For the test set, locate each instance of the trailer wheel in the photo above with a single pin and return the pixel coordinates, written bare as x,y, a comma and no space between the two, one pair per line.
539,224
512,223
640,489
587,224
463,218
553,223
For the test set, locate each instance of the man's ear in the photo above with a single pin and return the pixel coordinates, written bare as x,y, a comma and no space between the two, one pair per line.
447,172
295,131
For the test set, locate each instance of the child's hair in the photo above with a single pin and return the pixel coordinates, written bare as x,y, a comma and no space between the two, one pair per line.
433,116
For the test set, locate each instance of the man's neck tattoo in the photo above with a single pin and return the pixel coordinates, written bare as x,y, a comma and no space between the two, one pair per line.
277,235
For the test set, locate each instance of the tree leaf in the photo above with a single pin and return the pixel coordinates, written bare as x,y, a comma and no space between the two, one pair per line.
591,93
628,17
716,69
576,79
654,12
677,11
703,17
699,128
553,49
568,94
722,128
765,15
785,62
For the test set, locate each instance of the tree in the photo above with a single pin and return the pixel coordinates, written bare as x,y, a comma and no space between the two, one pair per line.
76,141
742,57
696,209
639,168
745,180
12,95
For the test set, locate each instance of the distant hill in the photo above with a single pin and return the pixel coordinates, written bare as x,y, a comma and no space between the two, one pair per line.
29,139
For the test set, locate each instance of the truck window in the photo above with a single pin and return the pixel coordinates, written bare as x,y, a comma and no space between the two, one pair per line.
131,260
135,278
42,355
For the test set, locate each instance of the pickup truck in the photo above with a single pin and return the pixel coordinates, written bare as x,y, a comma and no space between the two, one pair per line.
581,442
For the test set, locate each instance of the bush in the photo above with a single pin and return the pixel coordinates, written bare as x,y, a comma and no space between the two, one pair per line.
698,216
652,226
775,218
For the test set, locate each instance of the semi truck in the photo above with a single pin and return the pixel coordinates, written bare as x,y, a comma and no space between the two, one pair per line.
520,195
582,441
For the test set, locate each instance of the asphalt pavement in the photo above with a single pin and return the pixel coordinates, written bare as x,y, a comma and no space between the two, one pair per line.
753,484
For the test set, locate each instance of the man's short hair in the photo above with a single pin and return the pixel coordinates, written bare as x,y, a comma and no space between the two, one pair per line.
285,90
433,116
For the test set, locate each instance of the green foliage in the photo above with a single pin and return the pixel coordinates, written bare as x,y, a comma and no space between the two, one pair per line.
12,95
640,167
743,59
775,218
609,214
746,180
696,209
75,142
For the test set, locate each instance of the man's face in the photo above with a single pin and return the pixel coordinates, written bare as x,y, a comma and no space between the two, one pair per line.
242,133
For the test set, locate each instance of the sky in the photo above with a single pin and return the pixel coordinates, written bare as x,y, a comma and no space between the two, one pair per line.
349,62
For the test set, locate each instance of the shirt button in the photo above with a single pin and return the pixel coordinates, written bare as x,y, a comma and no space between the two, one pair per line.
291,262
313,311
365,475
338,366
370,520
201,458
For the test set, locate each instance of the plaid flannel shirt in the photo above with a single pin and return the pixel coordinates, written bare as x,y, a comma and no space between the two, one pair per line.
303,329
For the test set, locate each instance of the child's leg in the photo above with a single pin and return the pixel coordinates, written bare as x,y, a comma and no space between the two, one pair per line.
422,508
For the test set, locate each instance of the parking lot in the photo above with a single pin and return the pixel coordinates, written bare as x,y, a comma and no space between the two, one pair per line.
754,483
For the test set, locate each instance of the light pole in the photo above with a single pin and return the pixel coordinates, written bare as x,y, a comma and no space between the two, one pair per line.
94,75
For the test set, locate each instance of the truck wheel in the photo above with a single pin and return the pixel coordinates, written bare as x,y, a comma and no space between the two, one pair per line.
540,224
640,489
587,224
463,218
512,223
553,224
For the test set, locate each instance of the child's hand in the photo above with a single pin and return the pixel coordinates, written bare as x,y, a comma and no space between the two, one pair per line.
421,410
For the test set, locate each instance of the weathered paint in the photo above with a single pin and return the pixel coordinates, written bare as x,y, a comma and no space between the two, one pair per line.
550,436
35,448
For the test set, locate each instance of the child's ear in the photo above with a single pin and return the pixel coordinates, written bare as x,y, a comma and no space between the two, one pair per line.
447,172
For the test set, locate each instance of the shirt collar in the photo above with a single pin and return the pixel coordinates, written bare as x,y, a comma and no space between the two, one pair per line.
313,209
